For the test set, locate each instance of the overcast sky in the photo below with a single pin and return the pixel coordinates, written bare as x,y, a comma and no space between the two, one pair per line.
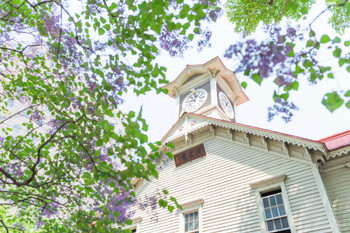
312,121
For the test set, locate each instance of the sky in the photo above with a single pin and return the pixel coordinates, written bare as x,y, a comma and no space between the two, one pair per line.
312,120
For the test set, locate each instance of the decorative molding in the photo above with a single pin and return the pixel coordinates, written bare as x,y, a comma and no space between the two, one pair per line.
258,132
230,133
212,130
189,138
285,149
246,138
264,144
338,152
192,204
268,181
136,220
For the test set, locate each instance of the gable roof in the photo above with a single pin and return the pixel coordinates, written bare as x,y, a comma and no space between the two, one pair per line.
215,66
337,141
203,121
329,145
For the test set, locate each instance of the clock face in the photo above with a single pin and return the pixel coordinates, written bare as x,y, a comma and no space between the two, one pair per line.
226,105
194,100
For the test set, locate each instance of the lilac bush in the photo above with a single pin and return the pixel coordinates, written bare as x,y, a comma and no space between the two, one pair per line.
63,67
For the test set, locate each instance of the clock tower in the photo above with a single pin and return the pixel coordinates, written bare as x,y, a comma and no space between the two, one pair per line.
209,89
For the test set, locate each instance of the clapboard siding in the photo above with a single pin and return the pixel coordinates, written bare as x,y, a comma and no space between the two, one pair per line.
337,183
222,179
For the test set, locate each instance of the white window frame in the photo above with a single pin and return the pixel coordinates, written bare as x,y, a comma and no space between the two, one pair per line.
188,207
268,185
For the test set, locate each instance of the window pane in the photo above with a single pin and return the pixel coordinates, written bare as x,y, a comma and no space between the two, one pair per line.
285,222
278,224
282,210
275,212
195,215
268,213
195,225
266,202
270,225
186,217
279,199
186,227
272,200
190,226
190,217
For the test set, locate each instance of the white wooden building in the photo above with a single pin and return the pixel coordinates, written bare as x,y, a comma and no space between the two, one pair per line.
231,177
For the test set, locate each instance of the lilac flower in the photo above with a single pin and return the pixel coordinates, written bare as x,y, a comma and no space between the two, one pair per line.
36,117
19,226
50,209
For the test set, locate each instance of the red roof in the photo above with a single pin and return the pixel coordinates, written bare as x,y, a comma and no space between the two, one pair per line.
337,141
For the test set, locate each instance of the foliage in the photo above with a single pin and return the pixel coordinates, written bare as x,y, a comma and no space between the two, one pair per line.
67,154
291,53
246,15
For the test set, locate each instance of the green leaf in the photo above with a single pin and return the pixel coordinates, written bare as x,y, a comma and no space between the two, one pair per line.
336,40
244,85
170,145
101,31
291,53
165,192
310,43
162,203
330,75
337,52
347,43
128,222
313,76
171,208
312,33
295,85
325,38
347,104
341,62
332,101
348,69
256,77
285,96
190,36
347,94
99,143
347,6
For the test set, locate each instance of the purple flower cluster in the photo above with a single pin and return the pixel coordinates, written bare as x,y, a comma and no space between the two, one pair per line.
173,42
36,116
267,58
283,108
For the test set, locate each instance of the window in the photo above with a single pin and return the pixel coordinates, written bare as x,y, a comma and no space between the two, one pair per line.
191,216
273,207
192,222
275,213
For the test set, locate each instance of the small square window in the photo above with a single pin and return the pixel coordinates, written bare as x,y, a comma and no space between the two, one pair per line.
275,214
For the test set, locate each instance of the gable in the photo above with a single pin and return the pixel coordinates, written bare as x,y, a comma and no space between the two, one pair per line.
192,129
